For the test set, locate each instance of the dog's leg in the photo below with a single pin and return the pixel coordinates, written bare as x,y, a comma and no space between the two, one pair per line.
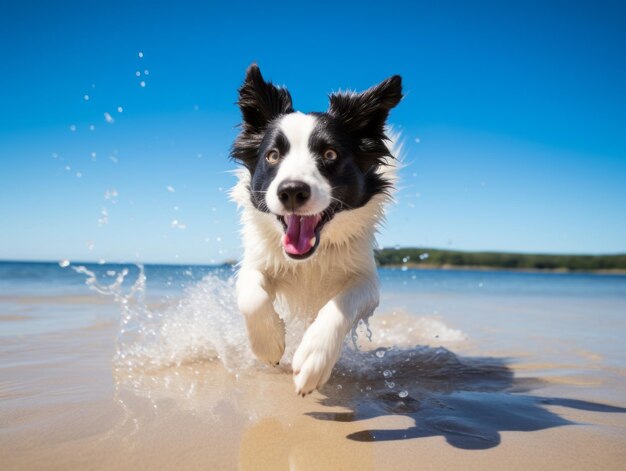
266,330
321,345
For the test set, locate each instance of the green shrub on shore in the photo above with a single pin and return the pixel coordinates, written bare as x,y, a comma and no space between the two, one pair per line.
440,258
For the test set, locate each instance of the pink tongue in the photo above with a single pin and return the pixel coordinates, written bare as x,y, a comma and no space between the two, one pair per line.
300,231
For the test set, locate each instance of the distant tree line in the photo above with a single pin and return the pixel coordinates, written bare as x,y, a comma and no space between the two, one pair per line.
442,258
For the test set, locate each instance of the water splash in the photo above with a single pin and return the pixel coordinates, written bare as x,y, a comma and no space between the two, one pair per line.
204,325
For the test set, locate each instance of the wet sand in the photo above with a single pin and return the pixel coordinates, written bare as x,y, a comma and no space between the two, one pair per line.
495,397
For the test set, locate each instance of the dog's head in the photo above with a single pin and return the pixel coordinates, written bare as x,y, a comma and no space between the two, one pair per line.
305,168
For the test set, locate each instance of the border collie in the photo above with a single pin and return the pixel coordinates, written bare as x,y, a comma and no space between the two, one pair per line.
312,190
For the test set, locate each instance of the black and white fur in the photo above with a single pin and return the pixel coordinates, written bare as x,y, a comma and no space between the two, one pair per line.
335,170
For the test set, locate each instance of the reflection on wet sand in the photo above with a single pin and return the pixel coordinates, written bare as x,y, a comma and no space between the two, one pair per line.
469,401
63,408
376,396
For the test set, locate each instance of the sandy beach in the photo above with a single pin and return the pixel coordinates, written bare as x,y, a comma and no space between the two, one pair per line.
449,381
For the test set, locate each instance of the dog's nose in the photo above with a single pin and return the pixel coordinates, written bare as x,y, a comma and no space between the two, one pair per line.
293,194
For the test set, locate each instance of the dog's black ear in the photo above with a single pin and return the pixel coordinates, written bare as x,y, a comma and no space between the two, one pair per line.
261,101
364,116
365,113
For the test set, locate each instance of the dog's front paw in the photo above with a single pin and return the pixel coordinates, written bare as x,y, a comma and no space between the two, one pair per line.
315,357
267,338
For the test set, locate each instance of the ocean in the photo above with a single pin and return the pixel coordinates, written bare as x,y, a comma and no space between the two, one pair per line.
94,357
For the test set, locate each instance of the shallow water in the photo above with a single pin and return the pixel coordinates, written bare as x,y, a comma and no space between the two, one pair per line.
96,365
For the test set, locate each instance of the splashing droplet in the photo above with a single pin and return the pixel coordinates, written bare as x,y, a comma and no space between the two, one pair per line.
111,194
103,220
176,224
64,263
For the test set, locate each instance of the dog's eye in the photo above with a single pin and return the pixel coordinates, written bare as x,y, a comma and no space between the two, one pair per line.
330,154
272,157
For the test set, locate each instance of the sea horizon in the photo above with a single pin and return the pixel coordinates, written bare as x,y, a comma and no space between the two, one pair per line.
408,265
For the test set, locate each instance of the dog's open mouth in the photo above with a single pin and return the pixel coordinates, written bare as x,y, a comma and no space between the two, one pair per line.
302,233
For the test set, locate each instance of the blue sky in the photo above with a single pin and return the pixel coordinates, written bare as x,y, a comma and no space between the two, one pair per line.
514,120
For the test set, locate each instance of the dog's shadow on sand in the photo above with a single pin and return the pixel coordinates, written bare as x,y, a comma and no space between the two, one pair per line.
468,401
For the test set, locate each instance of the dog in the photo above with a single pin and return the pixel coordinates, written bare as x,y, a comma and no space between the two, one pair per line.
312,190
